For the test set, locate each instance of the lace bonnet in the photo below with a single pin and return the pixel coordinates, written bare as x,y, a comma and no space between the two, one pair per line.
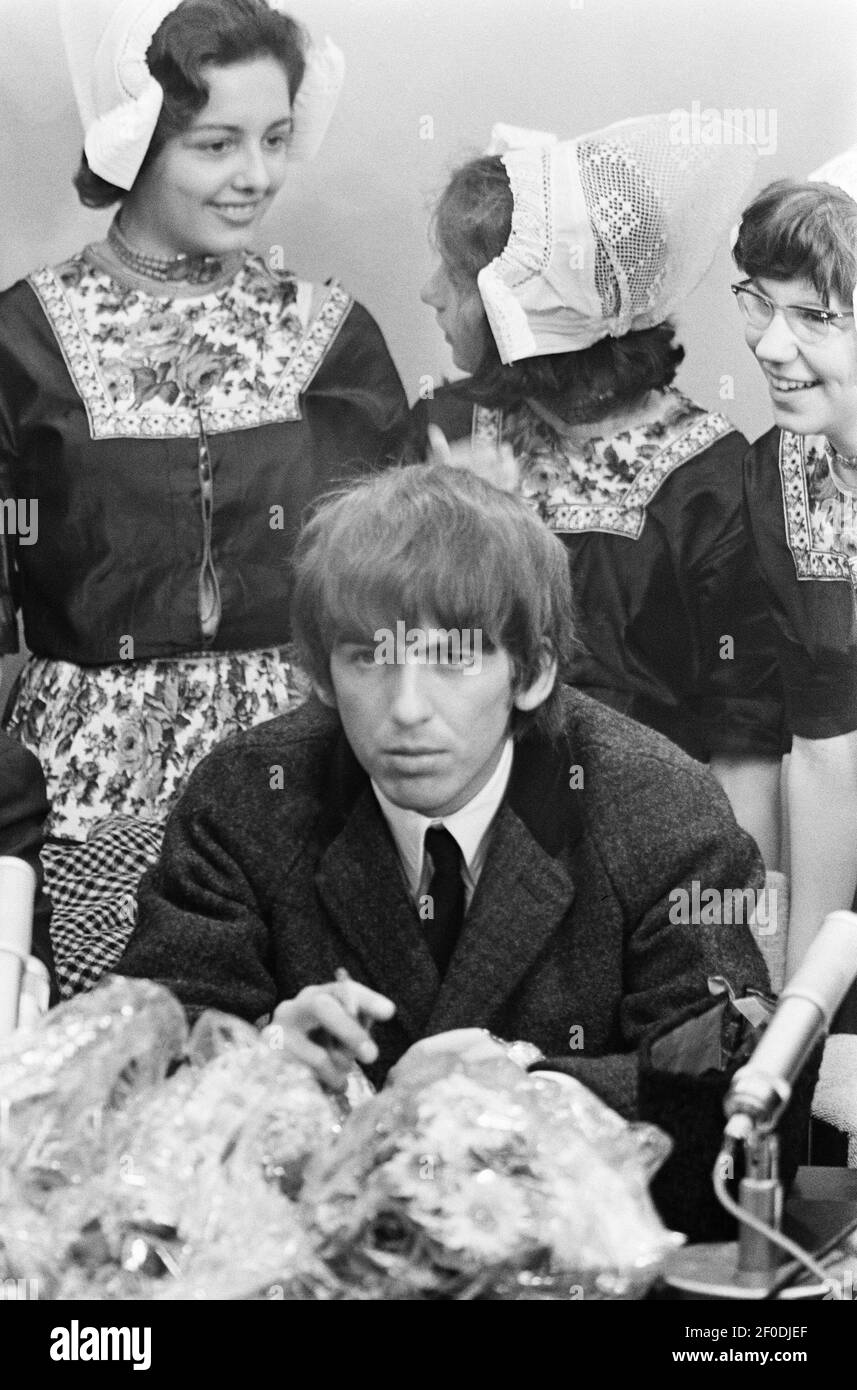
610,232
119,100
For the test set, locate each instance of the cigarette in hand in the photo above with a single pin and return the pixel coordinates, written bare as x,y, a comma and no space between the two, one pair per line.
342,977
349,1003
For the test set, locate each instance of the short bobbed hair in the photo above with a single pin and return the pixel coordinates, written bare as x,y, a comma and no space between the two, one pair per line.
805,231
430,545
199,34
472,224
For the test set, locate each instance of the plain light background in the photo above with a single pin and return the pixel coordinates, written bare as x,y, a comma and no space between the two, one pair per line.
360,211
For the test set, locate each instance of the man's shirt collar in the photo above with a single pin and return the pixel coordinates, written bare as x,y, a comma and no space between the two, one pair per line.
470,826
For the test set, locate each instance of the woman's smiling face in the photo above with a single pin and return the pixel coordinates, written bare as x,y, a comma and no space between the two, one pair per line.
813,386
206,191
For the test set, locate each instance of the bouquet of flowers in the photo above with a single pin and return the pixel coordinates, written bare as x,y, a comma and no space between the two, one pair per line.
121,1182
237,1176
464,1181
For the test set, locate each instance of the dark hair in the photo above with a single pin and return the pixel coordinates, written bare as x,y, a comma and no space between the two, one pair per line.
196,34
472,224
805,231
433,544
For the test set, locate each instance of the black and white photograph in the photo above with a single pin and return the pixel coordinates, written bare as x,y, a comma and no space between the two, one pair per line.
428,671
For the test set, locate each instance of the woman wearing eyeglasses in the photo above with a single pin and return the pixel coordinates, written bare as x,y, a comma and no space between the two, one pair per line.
797,249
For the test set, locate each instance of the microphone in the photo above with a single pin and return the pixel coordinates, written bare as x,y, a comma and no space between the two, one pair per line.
17,894
762,1088
749,1268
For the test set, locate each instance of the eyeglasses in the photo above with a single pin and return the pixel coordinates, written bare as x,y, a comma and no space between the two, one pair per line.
808,325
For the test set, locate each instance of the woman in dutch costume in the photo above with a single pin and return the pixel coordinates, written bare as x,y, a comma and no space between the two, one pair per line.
560,264
171,402
796,248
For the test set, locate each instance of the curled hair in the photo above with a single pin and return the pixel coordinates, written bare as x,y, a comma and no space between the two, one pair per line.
197,34
801,231
472,225
429,544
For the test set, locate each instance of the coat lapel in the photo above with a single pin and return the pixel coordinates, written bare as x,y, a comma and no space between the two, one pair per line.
524,892
525,889
360,882
522,896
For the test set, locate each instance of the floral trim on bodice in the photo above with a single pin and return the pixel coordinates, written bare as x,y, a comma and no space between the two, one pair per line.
604,484
144,366
821,519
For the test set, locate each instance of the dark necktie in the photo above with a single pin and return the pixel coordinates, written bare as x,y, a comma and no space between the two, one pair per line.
446,892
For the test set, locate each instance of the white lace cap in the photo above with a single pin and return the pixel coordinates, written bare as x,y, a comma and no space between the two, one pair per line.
610,232
317,97
517,137
106,42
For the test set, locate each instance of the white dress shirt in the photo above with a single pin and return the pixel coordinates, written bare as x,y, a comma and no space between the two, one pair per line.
470,826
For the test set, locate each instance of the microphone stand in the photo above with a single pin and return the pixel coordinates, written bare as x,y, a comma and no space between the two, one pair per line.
760,1193
755,1266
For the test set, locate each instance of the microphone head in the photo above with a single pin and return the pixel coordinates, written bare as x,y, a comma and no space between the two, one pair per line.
17,894
762,1087
829,967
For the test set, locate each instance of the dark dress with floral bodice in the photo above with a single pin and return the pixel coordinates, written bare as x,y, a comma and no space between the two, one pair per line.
167,441
804,527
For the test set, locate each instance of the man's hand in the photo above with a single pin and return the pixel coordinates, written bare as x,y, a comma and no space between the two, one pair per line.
323,1027
472,1045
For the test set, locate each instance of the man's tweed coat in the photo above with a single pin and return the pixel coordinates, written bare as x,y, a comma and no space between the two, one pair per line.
278,866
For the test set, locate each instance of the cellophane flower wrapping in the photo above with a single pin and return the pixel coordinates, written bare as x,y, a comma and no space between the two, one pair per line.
118,1181
141,1161
482,1181
59,1081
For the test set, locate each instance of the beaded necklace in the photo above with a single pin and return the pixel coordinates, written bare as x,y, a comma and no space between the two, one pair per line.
192,270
